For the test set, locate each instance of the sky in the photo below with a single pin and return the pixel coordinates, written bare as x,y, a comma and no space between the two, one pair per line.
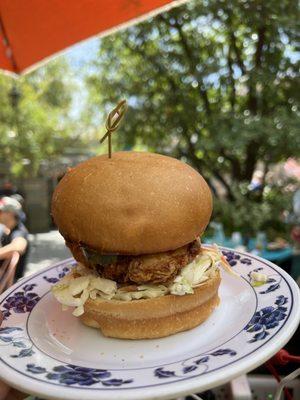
79,55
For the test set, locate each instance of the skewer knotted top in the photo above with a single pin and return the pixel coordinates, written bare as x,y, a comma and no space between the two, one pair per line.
113,122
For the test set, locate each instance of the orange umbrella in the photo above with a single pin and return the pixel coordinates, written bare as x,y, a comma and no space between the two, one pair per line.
32,30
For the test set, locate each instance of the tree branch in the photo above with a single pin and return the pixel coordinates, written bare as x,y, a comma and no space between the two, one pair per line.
259,47
233,42
253,101
251,160
193,67
236,170
231,79
237,52
191,60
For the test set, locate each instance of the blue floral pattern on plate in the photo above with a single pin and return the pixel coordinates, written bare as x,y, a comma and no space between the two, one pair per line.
21,301
11,336
274,304
24,301
234,258
162,373
267,318
74,375
54,279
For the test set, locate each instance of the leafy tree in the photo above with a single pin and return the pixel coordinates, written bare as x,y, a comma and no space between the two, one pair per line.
34,117
211,82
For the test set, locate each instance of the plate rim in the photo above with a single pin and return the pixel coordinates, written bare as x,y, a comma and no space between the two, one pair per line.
237,367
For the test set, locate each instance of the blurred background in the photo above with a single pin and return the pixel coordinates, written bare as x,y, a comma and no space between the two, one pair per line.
213,83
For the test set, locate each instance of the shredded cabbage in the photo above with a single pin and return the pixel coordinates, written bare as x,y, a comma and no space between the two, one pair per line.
259,277
143,292
81,283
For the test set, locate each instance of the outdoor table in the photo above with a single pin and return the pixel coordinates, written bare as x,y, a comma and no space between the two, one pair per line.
276,256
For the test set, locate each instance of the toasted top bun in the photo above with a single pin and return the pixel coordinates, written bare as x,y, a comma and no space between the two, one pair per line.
132,203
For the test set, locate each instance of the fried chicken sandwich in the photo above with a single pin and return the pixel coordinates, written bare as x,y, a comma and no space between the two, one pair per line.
133,223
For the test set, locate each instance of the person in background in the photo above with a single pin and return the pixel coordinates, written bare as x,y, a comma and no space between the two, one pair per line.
7,189
3,231
21,200
17,237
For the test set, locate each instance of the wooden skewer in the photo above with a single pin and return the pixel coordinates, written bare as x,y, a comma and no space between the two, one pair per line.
113,122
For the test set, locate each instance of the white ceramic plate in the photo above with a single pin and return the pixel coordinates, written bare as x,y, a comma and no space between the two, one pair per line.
48,352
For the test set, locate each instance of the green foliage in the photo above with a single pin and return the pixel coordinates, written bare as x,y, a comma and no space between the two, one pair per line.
216,84
212,82
249,216
33,124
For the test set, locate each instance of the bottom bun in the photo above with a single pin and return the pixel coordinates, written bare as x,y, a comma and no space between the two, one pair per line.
153,318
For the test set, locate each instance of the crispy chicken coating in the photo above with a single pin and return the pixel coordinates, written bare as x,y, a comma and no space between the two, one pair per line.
143,269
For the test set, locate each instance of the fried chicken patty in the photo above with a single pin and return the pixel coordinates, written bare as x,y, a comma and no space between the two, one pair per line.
147,268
